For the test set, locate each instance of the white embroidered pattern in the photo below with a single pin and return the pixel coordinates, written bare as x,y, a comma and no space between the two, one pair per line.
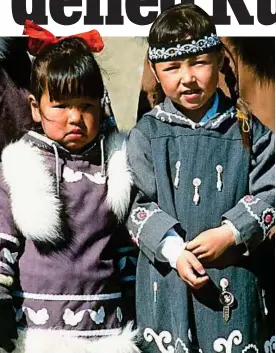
220,344
250,346
142,223
222,116
180,49
264,224
139,214
247,206
267,219
61,297
269,346
182,344
39,317
96,178
82,333
135,238
251,200
177,174
98,316
169,117
72,177
163,337
72,319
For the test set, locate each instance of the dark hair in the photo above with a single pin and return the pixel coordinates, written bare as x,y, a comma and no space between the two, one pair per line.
181,22
185,21
177,23
68,69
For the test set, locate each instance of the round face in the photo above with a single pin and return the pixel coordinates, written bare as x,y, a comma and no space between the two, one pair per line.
73,123
190,83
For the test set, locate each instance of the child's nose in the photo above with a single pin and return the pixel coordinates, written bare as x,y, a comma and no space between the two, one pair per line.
75,115
187,76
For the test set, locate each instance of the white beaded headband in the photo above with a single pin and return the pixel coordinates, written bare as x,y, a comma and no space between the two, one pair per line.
174,51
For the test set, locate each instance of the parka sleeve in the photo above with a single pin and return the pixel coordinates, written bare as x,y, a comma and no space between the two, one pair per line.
254,215
146,223
9,243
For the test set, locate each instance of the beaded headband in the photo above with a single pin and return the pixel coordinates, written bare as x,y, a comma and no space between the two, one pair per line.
175,51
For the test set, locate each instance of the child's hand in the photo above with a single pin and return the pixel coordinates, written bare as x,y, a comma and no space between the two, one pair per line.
191,270
211,244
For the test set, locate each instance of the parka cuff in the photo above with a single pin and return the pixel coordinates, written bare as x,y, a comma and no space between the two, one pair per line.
253,218
148,225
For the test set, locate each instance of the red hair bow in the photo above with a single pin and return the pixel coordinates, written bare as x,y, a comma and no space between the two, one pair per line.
39,38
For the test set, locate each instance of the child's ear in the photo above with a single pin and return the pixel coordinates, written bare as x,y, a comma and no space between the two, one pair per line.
34,108
152,68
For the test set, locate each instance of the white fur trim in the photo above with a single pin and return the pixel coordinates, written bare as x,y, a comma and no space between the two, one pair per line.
35,206
42,341
119,182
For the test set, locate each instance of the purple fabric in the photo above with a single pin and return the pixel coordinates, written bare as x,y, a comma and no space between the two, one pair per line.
82,264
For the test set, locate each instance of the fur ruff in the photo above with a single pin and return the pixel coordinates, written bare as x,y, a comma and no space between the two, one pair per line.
119,182
35,206
51,341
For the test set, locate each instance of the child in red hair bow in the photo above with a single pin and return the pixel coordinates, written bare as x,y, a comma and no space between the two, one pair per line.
61,208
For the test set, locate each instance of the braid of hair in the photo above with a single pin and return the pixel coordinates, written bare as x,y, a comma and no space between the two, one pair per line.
159,94
244,113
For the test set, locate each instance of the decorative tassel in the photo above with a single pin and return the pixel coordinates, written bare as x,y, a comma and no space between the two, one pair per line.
244,121
219,169
196,183
177,174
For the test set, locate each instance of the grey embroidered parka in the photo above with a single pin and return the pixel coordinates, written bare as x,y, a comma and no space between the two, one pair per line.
192,176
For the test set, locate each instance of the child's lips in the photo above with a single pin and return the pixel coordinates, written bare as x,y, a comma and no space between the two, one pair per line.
191,94
75,134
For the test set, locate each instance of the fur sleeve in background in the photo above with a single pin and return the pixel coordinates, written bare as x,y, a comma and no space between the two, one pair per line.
15,69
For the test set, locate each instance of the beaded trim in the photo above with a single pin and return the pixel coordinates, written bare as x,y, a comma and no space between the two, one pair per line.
174,51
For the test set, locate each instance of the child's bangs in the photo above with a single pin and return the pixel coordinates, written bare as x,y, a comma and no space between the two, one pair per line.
186,22
74,81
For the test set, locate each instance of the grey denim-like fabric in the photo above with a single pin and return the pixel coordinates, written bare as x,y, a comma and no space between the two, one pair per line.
167,152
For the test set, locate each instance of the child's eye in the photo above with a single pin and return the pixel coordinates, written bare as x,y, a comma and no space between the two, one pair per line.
86,106
61,106
171,68
200,62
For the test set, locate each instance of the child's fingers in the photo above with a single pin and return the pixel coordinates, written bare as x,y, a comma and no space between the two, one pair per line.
196,265
193,244
204,256
194,281
201,281
198,251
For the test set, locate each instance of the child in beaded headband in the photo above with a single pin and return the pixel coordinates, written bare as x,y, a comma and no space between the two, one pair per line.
204,209
64,191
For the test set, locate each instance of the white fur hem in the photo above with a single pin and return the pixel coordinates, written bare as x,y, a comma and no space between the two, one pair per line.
35,206
51,341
